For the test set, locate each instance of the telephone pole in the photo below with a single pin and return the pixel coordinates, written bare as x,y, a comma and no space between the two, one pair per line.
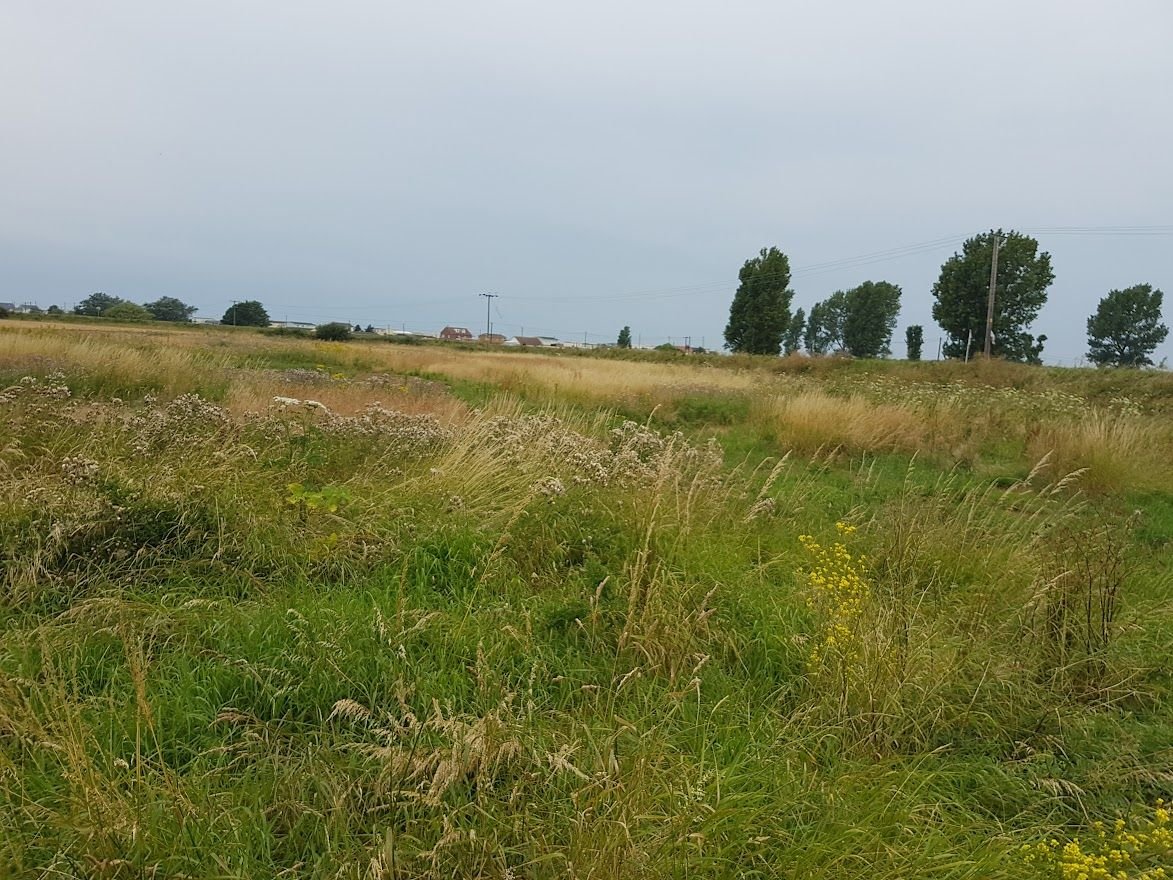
489,297
990,299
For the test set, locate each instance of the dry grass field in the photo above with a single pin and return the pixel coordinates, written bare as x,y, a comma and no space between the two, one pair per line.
279,607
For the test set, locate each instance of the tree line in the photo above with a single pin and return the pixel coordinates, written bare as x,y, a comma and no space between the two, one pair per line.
1124,330
246,313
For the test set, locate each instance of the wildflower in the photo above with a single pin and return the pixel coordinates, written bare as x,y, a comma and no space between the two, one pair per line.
78,470
839,593
551,487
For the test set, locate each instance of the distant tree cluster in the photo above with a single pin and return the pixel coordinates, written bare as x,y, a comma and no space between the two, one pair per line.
1124,331
103,305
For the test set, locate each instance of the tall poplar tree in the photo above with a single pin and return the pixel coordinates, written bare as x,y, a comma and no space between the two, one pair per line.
760,312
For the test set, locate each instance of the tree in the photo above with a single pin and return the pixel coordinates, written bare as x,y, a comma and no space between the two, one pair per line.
370,328
127,311
760,312
3,312
914,339
1126,327
869,318
168,308
358,328
54,310
792,341
961,293
249,313
824,327
96,303
624,340
335,331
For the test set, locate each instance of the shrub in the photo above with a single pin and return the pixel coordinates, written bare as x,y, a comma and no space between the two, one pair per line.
127,311
335,331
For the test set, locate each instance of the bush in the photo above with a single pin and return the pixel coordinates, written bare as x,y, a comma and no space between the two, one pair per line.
3,313
334,331
127,311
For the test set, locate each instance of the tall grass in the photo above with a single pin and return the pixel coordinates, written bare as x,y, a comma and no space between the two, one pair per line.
533,638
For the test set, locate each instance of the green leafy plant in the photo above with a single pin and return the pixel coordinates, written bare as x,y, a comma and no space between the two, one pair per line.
329,499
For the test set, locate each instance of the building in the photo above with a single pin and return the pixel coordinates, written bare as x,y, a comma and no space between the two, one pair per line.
457,334
294,325
8,307
491,338
535,341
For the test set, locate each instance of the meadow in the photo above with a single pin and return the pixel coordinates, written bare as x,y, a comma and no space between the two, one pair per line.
274,607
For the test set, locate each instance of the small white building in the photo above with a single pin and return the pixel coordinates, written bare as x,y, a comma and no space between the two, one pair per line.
534,341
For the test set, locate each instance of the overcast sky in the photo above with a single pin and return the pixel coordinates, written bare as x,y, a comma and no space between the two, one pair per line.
596,164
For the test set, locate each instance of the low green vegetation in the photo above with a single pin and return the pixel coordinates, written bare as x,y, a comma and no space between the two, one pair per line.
279,607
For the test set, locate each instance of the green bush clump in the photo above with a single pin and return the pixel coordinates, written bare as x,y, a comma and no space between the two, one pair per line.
335,331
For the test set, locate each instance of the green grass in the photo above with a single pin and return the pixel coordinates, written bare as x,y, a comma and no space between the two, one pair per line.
540,643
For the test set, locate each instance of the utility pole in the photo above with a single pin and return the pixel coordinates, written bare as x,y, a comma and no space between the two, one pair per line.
234,313
990,299
968,344
489,297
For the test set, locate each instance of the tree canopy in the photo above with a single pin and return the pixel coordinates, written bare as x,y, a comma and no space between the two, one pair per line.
961,292
792,341
1126,327
249,313
624,340
96,303
824,327
168,308
869,318
914,340
760,312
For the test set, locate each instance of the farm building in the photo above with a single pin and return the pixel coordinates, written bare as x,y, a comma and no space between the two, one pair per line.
535,341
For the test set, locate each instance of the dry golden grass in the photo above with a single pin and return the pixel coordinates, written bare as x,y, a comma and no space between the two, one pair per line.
804,404
122,358
1116,451
257,392
577,378
814,419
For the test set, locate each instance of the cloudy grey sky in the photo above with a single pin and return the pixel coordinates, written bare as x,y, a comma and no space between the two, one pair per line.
596,164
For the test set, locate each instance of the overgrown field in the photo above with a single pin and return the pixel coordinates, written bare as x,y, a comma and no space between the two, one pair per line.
274,607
